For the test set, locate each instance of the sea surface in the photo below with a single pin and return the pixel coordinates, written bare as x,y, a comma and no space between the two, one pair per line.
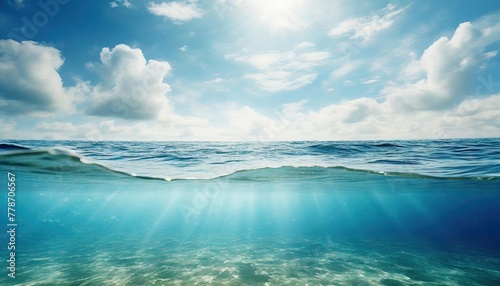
251,213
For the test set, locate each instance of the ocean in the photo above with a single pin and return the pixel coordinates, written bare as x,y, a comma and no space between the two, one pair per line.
423,212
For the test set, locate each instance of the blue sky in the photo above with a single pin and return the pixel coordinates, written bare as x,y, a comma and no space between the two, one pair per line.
249,69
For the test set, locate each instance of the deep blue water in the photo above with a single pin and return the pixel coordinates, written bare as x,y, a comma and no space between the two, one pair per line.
258,213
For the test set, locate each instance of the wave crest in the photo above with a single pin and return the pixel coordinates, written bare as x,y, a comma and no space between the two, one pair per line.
63,161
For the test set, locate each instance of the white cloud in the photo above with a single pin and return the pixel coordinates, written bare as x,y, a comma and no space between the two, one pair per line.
365,28
130,86
345,68
305,45
293,107
116,3
438,101
104,130
245,123
372,120
264,60
276,81
450,67
30,81
7,128
363,118
216,80
183,48
348,82
312,58
370,81
111,129
176,11
282,71
445,100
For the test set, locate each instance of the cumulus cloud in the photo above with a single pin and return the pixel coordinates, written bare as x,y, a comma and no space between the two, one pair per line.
130,87
362,119
282,71
365,28
367,119
293,121
30,81
441,105
438,101
176,11
450,67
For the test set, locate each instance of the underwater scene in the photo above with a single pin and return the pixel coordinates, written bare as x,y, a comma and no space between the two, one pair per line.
423,212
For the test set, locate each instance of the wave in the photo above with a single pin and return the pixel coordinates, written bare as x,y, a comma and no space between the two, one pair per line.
11,146
51,160
56,160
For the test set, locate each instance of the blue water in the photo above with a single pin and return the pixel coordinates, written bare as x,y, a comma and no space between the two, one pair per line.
274,213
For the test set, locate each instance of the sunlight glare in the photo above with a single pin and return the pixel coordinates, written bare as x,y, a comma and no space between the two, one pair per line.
278,13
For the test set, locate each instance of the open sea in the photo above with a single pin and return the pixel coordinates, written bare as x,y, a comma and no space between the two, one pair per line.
250,213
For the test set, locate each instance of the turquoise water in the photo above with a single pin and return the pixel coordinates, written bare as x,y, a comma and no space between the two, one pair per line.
282,213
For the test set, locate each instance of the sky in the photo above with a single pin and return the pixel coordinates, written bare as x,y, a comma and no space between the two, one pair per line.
249,70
